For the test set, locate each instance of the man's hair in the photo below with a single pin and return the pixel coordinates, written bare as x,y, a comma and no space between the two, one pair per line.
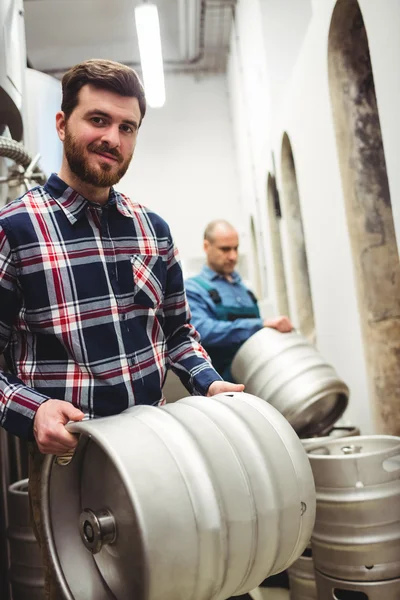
102,74
212,226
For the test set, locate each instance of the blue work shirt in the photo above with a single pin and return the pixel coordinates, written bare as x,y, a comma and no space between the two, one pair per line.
214,332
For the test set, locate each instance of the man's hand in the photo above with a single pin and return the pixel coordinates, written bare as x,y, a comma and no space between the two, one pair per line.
218,387
49,426
282,324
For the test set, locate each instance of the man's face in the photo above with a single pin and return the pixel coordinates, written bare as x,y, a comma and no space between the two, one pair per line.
222,251
100,135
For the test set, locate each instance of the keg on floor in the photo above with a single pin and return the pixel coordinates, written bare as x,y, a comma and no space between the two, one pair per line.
301,573
357,529
26,571
288,372
203,498
330,588
302,577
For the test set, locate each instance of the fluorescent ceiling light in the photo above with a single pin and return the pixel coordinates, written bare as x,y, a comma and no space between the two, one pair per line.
148,32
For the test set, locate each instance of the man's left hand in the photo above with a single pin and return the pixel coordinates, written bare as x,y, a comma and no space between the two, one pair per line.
218,387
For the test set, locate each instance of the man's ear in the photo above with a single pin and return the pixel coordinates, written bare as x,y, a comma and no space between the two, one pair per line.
206,245
60,125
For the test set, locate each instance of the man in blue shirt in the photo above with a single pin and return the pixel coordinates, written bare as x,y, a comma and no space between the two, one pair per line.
224,311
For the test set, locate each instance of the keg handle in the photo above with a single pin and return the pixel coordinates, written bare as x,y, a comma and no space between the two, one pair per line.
345,594
63,460
391,463
310,449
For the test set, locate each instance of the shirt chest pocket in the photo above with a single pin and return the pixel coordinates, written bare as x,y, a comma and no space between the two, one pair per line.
149,274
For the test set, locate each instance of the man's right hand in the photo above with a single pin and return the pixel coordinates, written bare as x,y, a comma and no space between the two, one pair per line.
49,426
282,324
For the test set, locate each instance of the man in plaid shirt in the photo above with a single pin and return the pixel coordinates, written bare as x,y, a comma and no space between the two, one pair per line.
93,309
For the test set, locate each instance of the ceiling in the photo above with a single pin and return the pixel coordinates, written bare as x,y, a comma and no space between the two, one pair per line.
60,33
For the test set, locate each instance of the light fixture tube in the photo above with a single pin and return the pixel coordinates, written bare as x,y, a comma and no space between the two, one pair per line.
149,39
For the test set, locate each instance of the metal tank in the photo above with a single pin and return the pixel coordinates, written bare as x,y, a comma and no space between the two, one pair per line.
301,573
288,372
357,529
5,591
330,588
12,66
302,577
26,570
13,467
202,499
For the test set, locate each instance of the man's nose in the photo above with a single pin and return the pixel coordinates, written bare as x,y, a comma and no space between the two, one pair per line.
111,136
232,255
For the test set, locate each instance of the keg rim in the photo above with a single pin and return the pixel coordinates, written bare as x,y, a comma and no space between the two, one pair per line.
328,420
347,441
87,434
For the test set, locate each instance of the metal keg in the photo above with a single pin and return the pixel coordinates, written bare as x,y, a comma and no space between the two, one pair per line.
357,529
26,570
203,498
337,589
288,372
334,433
302,577
301,573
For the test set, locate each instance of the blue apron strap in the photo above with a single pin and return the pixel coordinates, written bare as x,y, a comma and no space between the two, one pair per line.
202,282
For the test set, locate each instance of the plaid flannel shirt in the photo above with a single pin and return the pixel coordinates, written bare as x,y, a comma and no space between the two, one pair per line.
92,307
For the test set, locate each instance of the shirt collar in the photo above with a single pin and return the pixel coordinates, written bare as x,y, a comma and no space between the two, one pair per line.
212,275
74,205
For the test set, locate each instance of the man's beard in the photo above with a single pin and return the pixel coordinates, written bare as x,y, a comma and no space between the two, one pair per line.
79,165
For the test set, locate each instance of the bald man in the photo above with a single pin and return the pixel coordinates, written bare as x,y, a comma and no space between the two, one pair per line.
224,311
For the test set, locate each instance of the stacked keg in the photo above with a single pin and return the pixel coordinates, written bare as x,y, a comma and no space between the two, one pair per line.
26,569
302,573
21,565
356,539
202,498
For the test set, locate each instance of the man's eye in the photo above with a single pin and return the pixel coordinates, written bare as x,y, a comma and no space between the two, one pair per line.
97,120
127,128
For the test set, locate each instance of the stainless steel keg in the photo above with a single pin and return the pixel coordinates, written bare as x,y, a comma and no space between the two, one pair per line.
357,529
26,569
301,573
302,577
288,372
201,499
330,588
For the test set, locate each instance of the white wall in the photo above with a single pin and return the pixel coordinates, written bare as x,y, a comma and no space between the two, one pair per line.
284,24
291,94
184,165
42,102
